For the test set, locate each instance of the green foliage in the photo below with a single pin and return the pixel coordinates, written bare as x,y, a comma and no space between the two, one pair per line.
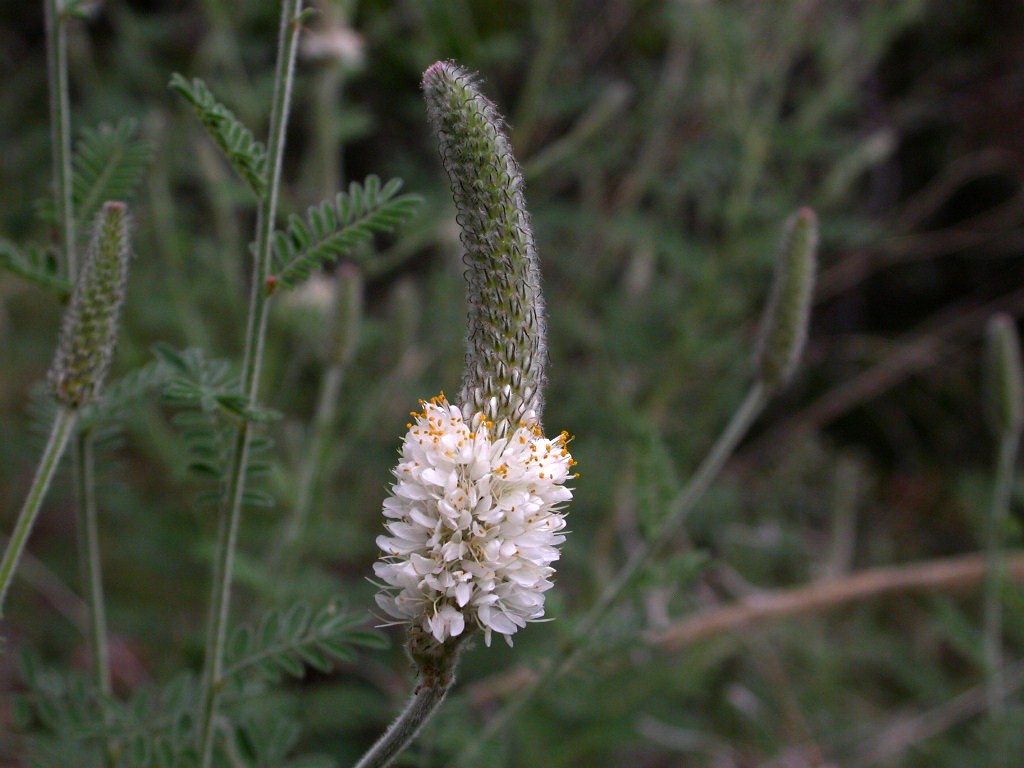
662,144
124,393
35,265
151,729
335,228
206,394
286,641
247,156
108,164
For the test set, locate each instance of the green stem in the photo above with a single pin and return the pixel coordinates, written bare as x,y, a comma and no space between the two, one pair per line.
558,664
63,424
422,704
254,344
89,556
60,128
995,687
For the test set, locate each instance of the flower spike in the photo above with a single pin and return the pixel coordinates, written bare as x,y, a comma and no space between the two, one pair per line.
89,332
784,326
507,347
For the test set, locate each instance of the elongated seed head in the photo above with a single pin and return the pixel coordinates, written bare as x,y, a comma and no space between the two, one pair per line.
784,326
506,347
89,331
1004,380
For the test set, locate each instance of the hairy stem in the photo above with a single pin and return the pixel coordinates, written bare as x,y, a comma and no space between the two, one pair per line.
63,425
256,330
996,561
422,704
89,558
558,664
60,129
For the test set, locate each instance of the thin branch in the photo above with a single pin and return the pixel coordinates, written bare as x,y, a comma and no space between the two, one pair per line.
946,575
956,574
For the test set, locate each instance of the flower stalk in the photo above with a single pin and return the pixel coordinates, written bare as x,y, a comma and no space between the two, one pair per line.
89,559
1005,404
63,425
474,518
437,674
255,339
60,129
85,351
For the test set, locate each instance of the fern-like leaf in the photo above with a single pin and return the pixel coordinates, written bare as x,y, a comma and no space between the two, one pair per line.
108,164
207,393
286,642
121,394
336,227
246,155
35,265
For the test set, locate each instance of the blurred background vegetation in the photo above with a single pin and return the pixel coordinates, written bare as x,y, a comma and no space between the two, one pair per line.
663,142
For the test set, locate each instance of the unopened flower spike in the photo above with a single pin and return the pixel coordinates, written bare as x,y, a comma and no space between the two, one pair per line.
784,326
89,331
474,519
507,347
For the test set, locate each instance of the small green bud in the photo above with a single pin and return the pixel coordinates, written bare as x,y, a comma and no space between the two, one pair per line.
89,330
506,349
1003,376
784,326
348,313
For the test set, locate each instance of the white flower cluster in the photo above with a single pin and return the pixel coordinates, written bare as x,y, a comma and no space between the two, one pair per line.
474,524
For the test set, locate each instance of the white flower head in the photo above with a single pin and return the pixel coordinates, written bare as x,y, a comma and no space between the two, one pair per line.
475,523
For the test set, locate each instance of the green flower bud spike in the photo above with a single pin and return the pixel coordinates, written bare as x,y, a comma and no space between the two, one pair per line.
84,353
89,333
1004,377
784,326
506,347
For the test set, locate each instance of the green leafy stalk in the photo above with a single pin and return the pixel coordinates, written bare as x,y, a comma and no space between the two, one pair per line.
246,155
1005,404
60,129
63,425
254,343
507,344
337,227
